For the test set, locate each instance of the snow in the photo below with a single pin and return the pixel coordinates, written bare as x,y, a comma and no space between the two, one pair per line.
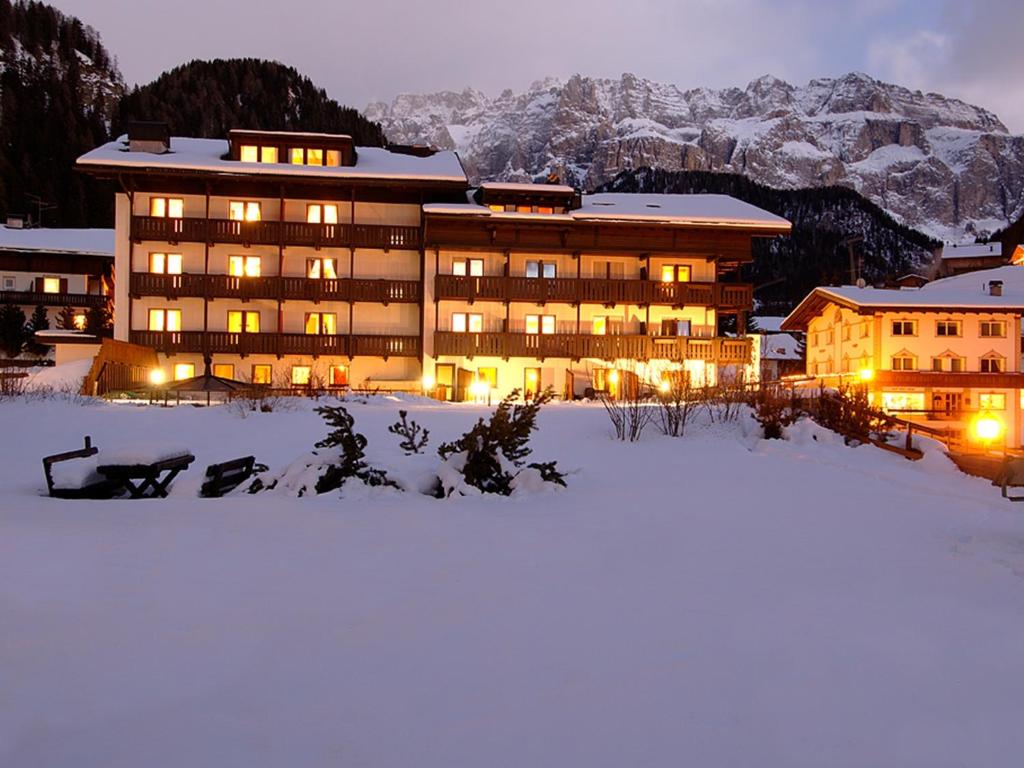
972,250
141,453
780,346
63,377
93,242
506,186
75,473
693,209
207,155
719,597
769,324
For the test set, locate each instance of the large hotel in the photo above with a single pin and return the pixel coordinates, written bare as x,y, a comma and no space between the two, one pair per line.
298,259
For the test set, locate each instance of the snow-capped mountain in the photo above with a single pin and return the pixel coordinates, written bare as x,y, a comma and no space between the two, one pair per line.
940,165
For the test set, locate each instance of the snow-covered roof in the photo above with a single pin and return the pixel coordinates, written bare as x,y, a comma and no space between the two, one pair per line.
511,186
696,210
780,346
769,324
91,242
968,291
188,154
972,250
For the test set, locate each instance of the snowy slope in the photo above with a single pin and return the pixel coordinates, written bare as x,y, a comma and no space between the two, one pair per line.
718,600
947,168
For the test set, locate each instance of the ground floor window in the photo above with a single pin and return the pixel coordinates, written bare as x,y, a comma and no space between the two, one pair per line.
337,376
224,370
903,401
300,375
531,382
184,371
490,375
992,401
262,374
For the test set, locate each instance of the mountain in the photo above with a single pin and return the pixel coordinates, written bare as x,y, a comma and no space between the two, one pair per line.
936,164
815,253
209,98
59,88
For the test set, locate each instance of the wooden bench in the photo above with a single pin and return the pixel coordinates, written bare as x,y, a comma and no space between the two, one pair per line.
1010,475
147,480
97,489
222,478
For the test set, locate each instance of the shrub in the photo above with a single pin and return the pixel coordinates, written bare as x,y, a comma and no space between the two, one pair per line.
677,402
350,445
12,330
774,409
411,442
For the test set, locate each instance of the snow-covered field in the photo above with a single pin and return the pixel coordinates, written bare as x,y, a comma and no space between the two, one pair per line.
711,601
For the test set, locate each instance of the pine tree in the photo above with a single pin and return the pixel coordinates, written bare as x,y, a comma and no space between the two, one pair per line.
66,319
99,322
12,330
350,445
38,322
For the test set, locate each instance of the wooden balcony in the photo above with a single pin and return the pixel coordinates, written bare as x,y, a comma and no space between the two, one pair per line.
577,346
279,344
36,298
593,291
285,288
294,233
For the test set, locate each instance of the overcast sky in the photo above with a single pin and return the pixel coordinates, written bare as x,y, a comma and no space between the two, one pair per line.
374,49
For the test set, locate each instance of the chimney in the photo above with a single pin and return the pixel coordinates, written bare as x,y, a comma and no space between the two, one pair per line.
153,137
15,221
995,288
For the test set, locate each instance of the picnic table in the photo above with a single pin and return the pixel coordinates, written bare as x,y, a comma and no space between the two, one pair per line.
145,474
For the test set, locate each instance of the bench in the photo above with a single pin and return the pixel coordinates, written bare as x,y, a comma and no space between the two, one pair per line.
147,480
225,477
88,483
1010,475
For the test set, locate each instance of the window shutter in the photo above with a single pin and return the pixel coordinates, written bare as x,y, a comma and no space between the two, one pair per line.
39,285
63,285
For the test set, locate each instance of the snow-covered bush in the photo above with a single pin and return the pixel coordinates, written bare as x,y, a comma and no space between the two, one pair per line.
412,441
490,458
774,409
849,412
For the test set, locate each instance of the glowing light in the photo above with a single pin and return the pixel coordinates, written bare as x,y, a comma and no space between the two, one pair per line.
79,321
429,382
480,389
531,376
665,385
865,374
987,427
157,377
613,377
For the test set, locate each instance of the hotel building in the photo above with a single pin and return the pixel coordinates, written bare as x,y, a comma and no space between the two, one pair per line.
294,259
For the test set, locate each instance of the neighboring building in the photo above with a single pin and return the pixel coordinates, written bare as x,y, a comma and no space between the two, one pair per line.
960,259
56,268
781,356
941,354
291,258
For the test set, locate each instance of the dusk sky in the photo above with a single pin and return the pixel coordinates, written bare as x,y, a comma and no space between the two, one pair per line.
361,52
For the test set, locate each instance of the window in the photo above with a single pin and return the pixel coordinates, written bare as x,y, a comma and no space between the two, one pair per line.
540,269
540,324
903,401
244,266
471,267
321,268
992,329
992,401
333,158
224,370
903,363
249,153
79,321
322,213
262,374
471,322
314,157
947,328
675,273
9,283
321,323
490,375
244,210
166,207
268,154
298,156
497,208
956,364
337,376
531,382
300,375
936,363
51,285
846,333
184,371
991,364
904,327
524,209
674,327
599,326
165,263
545,209
240,321
165,319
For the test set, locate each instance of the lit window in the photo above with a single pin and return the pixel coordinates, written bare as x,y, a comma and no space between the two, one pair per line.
297,156
165,263
991,364
471,322
184,371
300,375
540,324
497,208
240,321
322,213
993,329
244,266
51,285
490,375
936,363
333,158
524,209
904,328
903,363
947,328
992,401
244,210
314,157
249,153
79,321
337,376
599,326
675,273
268,154
165,319
903,401
224,370
166,207
262,374
472,267
321,268
321,323
545,209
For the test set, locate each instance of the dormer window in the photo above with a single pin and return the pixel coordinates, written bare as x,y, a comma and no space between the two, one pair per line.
254,153
314,156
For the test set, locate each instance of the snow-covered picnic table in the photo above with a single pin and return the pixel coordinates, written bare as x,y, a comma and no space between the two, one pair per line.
144,470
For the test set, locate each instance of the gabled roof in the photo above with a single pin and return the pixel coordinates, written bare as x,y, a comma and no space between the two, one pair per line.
973,251
86,242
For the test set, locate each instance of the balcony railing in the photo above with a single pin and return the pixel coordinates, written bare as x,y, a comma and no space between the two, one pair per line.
298,288
224,342
593,291
35,298
196,230
577,346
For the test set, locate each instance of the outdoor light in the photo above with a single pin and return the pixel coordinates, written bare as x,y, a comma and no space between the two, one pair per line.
865,374
479,388
987,427
157,377
531,376
665,385
428,381
613,377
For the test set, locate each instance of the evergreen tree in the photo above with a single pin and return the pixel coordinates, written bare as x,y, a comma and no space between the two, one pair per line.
99,322
66,319
38,322
12,330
